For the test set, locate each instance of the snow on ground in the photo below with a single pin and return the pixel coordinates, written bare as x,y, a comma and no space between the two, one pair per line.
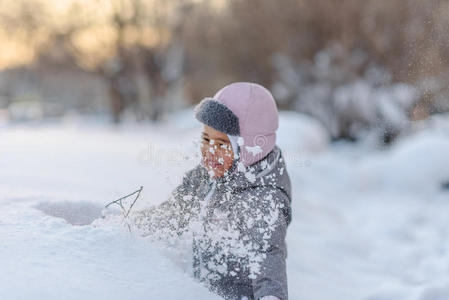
372,226
46,258
367,224
71,172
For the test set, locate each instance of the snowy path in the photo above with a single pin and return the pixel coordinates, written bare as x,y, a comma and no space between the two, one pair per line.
368,226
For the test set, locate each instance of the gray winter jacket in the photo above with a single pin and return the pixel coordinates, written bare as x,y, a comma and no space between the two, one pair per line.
238,224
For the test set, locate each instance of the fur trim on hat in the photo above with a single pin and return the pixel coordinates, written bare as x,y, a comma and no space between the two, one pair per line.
216,115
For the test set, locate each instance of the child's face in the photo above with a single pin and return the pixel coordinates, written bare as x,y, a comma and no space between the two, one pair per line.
216,151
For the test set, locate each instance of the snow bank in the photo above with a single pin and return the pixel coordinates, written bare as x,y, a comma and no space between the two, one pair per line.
301,133
56,175
372,224
416,163
43,257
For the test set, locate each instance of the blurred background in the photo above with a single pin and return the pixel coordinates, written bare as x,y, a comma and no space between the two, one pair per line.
97,97
355,66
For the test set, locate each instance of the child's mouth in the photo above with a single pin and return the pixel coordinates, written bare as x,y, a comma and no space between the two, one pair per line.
214,165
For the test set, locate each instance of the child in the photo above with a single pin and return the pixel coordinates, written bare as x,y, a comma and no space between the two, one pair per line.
235,205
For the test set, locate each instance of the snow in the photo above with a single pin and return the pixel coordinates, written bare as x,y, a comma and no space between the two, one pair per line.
55,176
372,225
250,176
420,164
367,224
47,258
301,133
254,150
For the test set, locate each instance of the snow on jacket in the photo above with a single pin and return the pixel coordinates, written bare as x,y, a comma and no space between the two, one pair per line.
238,225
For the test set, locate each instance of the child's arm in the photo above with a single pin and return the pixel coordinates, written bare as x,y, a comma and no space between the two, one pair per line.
171,217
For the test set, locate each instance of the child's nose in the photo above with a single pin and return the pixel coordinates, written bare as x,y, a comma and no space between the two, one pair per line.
210,152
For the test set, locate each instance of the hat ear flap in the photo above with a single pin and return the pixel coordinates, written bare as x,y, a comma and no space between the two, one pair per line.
235,147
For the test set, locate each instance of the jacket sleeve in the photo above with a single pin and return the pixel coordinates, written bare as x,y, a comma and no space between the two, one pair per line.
266,225
272,279
171,217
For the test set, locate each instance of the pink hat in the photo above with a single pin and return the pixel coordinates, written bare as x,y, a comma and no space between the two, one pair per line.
245,110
